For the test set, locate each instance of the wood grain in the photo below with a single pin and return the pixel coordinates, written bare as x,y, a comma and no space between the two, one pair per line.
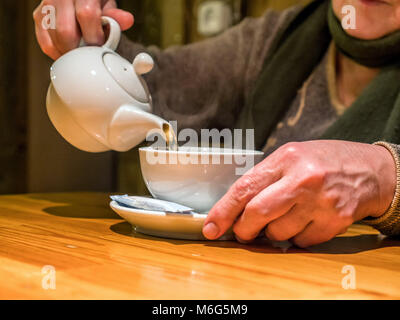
98,256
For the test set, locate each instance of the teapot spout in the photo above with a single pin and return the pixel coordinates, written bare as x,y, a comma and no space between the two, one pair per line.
130,126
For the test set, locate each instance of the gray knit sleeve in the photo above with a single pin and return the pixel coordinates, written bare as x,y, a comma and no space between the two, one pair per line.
205,84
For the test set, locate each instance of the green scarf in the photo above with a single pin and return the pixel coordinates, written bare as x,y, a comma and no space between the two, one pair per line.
297,50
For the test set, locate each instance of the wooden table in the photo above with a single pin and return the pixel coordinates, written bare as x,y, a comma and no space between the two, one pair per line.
95,255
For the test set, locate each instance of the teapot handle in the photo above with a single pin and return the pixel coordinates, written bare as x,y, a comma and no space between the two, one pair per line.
115,34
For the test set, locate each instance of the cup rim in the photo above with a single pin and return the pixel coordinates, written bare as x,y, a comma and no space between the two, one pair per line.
204,151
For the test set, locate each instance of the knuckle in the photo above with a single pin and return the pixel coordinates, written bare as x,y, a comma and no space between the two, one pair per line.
47,50
253,208
312,174
291,149
35,14
330,199
308,241
87,12
220,216
258,210
347,213
242,234
243,188
274,233
44,4
66,32
301,243
314,170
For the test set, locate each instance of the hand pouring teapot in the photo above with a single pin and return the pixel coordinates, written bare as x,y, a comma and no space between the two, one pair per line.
98,101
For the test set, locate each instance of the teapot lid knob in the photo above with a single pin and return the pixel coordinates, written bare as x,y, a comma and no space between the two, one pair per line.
143,63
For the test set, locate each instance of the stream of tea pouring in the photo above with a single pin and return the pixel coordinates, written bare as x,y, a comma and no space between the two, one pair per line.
170,138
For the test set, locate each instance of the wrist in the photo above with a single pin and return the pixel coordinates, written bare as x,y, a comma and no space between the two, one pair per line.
387,178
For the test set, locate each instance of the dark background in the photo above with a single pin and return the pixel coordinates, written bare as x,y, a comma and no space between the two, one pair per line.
33,157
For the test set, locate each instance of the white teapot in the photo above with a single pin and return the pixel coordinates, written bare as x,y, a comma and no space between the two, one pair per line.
98,101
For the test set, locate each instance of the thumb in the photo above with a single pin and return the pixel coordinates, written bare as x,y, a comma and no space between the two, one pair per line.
124,18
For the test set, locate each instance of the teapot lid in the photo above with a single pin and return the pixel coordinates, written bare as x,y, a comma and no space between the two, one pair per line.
127,76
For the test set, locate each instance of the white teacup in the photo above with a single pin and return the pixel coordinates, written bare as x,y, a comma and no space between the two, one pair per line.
194,177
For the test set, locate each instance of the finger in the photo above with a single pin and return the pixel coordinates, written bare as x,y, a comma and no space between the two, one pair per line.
289,225
225,212
124,18
88,13
270,204
67,35
45,42
316,233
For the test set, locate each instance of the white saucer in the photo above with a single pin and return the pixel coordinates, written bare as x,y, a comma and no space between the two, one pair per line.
165,225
